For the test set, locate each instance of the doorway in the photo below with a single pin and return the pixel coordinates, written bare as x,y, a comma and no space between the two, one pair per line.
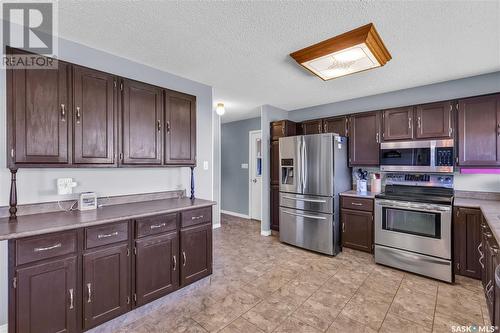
255,174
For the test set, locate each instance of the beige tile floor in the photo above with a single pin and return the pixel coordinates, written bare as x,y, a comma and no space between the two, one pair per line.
260,285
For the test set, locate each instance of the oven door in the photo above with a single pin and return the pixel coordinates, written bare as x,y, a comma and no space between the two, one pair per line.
417,227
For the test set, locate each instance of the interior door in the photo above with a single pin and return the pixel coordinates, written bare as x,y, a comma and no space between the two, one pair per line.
317,175
42,118
255,174
180,122
94,116
106,284
157,266
47,297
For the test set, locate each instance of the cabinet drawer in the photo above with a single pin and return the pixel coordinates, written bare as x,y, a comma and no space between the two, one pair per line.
155,225
357,203
45,246
196,216
106,234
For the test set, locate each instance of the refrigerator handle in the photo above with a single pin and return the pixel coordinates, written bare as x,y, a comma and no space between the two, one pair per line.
301,164
304,167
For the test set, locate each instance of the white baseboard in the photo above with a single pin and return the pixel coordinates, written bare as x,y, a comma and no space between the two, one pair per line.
4,328
214,226
235,214
265,232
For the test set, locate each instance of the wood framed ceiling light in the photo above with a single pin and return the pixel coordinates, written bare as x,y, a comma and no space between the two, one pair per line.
351,52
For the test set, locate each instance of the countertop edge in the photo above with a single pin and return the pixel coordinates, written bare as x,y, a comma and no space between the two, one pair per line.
354,193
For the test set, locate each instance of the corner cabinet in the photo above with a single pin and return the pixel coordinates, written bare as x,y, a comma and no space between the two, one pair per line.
364,139
479,131
180,128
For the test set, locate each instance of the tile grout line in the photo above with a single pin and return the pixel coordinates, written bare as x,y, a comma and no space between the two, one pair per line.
435,308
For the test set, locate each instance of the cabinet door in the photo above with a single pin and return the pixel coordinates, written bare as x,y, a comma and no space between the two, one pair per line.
397,124
46,297
479,131
94,116
311,127
364,139
275,162
434,121
142,118
275,207
106,291
40,113
467,237
156,267
335,125
282,128
196,253
357,230
180,122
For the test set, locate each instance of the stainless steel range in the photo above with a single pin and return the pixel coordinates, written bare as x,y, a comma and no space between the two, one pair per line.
413,224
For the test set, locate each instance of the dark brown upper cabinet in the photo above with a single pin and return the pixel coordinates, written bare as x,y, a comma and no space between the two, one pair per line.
336,125
180,128
311,127
94,116
40,114
397,124
433,121
479,131
157,266
106,291
364,139
142,119
282,128
196,253
467,237
46,297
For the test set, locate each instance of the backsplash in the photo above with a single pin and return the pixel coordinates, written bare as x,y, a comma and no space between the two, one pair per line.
371,171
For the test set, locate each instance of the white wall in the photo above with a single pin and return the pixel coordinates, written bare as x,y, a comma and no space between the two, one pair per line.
268,114
38,185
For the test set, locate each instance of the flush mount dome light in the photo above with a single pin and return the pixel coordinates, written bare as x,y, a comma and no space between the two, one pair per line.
354,51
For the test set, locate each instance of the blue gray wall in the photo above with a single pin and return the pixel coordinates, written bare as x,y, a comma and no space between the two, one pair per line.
234,152
471,86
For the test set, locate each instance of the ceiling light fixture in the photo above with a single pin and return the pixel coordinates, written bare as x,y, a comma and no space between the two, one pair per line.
220,109
354,51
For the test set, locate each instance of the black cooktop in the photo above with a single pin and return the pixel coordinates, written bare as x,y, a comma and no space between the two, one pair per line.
437,195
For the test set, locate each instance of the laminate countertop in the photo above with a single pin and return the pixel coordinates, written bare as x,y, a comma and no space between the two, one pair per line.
37,224
489,208
354,193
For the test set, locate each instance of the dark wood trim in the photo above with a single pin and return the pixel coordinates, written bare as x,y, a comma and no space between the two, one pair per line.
13,195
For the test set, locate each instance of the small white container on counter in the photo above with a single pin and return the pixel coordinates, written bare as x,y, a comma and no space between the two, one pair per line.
376,185
362,186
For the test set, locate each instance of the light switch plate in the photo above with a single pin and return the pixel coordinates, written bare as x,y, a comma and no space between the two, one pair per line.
244,165
205,165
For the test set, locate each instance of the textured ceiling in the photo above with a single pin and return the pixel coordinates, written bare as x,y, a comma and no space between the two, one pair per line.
241,48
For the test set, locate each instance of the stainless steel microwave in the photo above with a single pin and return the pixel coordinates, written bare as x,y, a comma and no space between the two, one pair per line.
417,156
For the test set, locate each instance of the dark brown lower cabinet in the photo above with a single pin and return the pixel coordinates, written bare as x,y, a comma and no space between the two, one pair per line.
275,207
106,292
357,229
488,262
467,238
196,253
156,266
46,297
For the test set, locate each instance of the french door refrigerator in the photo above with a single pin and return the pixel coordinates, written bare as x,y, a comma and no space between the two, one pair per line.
313,171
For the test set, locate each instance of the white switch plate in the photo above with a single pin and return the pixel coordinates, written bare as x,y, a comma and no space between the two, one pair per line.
205,165
244,165
65,186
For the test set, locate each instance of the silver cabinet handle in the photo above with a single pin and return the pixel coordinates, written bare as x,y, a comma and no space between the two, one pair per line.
41,249
78,115
156,226
343,227
307,216
175,263
419,122
89,292
409,122
168,126
356,204
481,255
184,258
63,112
303,199
197,217
71,299
107,235
159,125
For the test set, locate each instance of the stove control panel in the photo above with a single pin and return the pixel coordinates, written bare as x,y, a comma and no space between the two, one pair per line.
419,179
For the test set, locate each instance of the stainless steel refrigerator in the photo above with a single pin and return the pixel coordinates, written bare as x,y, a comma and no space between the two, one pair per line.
313,171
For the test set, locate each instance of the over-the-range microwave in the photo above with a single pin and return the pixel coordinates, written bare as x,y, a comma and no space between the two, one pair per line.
417,156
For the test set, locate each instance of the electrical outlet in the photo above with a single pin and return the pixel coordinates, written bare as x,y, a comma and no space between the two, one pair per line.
65,186
244,165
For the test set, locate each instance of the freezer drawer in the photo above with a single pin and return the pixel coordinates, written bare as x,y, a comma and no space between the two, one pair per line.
307,202
309,230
